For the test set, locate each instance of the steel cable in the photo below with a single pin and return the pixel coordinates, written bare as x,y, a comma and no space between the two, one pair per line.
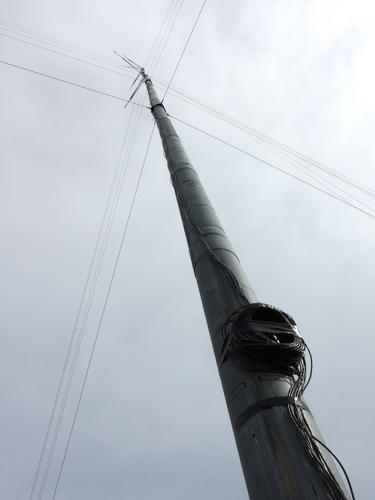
104,310
184,48
93,347
265,138
166,39
61,80
60,44
158,34
104,233
69,56
273,166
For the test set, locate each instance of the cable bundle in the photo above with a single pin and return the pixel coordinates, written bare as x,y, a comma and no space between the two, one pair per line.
260,337
280,350
311,442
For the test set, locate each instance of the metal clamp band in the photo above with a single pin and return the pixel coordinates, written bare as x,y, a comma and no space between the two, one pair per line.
266,404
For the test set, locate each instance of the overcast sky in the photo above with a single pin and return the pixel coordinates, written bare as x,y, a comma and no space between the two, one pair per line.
153,422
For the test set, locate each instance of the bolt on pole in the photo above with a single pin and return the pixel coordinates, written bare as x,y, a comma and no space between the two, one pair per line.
277,464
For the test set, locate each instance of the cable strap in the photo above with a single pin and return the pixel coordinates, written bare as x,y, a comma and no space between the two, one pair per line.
266,404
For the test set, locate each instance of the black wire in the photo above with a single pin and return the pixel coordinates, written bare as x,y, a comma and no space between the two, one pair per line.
296,392
294,161
67,356
104,309
75,357
162,47
61,44
306,167
320,165
184,49
255,134
32,44
231,276
223,141
261,344
311,367
109,95
340,464
76,352
110,212
264,137
71,83
276,346
164,33
161,28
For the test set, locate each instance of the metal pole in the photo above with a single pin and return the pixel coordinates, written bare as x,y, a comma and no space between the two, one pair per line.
276,462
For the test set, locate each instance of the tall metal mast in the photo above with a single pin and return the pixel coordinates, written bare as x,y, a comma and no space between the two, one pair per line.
259,353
